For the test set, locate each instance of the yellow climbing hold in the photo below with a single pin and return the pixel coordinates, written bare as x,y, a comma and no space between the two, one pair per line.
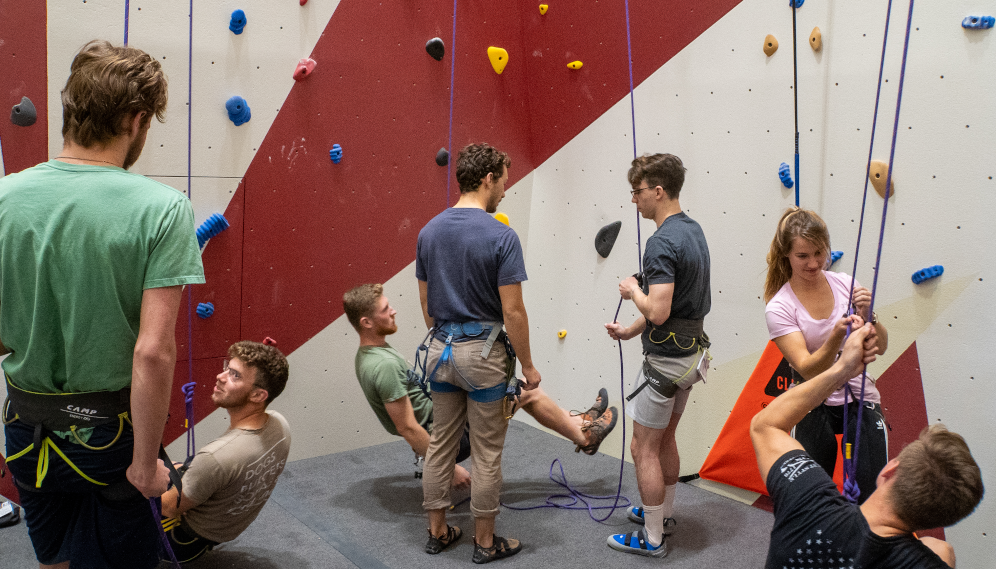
543,9
575,65
498,57
562,334
501,216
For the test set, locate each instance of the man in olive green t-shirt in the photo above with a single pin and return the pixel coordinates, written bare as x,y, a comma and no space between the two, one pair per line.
382,373
93,260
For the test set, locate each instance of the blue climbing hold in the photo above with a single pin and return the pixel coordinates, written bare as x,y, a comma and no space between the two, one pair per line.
238,110
238,22
978,22
928,273
835,256
205,309
213,226
336,154
785,173
796,3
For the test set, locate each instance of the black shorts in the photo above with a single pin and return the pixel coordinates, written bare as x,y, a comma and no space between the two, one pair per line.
72,519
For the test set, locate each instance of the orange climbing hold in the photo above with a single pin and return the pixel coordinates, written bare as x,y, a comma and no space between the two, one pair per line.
498,57
878,171
770,45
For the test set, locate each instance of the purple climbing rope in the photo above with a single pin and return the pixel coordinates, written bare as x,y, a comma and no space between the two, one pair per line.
575,496
449,143
126,24
851,491
795,94
157,515
632,113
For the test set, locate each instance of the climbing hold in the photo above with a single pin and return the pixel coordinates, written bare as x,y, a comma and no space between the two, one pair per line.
205,309
238,110
543,9
336,154
770,45
305,66
211,227
269,341
575,65
835,256
238,22
877,173
785,173
24,113
443,157
796,3
502,217
978,22
562,334
435,48
928,273
303,2
606,238
498,57
816,39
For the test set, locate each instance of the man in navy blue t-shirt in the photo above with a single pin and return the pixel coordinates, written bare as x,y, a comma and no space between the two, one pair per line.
470,271
934,482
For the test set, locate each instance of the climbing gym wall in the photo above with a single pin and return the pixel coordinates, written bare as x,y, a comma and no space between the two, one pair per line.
304,229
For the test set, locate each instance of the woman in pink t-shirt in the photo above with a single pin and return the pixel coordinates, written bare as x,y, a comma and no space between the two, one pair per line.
807,317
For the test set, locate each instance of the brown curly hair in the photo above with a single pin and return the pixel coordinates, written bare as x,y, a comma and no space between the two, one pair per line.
107,86
664,170
270,365
476,161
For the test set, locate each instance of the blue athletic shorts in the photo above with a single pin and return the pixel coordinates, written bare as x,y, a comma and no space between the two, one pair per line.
72,519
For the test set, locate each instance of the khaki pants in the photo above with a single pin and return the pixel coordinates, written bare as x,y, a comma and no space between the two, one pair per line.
451,411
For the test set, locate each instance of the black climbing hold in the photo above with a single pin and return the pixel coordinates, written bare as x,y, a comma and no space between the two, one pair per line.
606,238
443,157
24,113
435,48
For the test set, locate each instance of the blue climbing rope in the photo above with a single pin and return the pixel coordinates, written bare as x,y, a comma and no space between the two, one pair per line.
851,490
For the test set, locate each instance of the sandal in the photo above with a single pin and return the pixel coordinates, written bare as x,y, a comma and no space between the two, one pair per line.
500,549
437,544
636,542
598,430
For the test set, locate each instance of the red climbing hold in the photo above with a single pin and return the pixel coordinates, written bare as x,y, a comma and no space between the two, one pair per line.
304,67
268,340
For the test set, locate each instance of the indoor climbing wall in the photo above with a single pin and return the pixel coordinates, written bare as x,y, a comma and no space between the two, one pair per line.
304,229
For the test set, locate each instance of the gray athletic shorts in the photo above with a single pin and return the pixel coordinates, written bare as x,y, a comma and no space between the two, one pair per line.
653,410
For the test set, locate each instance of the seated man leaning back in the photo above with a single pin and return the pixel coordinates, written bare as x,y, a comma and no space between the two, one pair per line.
934,482
404,410
230,479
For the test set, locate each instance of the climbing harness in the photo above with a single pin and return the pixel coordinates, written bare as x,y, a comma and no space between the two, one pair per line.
851,490
667,386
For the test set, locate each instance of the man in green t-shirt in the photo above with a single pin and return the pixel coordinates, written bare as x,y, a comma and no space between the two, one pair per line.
382,373
93,260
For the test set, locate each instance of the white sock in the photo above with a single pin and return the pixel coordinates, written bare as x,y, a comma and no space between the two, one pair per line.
653,523
668,504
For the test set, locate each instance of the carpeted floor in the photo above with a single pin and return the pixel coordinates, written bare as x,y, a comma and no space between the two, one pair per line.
363,509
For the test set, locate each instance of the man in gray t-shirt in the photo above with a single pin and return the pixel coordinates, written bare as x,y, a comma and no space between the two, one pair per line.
230,479
673,299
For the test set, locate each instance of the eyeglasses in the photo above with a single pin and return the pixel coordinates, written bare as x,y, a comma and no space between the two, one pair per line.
235,375
637,191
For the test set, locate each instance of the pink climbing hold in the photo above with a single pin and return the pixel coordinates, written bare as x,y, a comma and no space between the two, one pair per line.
268,340
304,67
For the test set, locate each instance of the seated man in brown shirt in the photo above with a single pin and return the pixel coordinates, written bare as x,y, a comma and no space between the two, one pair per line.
231,478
